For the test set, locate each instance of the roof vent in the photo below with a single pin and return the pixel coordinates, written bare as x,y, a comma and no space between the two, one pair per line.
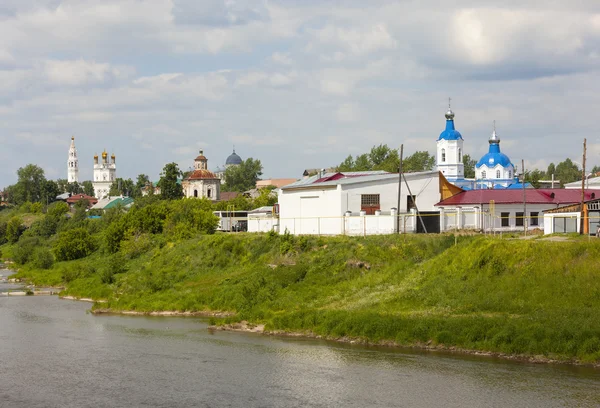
593,195
551,195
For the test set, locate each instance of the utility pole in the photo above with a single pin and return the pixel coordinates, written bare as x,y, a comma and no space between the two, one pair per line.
399,189
582,225
524,198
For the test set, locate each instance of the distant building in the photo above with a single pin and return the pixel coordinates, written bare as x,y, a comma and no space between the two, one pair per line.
73,163
105,173
75,198
201,182
232,160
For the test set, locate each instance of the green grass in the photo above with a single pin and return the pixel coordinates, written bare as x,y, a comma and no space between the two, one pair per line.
530,297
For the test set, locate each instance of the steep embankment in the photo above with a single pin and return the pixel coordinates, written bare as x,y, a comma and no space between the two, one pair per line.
534,298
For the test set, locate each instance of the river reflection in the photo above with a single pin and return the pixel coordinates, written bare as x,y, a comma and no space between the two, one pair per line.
54,354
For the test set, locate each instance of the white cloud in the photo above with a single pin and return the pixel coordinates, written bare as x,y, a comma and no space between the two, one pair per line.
348,112
357,41
283,58
79,72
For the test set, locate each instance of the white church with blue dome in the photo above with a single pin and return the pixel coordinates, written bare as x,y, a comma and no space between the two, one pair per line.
493,170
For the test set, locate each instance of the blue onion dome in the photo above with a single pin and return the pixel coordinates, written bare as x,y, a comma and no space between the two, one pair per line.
450,133
494,157
233,159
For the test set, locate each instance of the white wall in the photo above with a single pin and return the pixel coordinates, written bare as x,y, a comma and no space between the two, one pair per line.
262,224
473,217
453,166
549,220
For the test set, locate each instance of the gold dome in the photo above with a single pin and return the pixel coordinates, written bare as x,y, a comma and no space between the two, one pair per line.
104,154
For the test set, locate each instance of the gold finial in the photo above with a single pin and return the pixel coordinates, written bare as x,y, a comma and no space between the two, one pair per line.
72,137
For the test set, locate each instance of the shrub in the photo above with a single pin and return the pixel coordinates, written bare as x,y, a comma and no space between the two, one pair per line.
36,208
73,244
42,258
14,229
23,251
57,209
3,239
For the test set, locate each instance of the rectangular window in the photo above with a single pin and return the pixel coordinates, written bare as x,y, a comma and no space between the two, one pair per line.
534,218
369,200
519,219
504,219
410,202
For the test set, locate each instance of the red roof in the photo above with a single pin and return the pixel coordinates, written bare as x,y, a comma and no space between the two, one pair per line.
228,195
557,196
75,198
201,175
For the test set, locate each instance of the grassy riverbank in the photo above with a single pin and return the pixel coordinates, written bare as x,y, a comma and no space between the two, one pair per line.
535,298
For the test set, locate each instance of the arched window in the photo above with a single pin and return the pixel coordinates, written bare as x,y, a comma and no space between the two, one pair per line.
483,174
208,193
196,193
443,155
459,155
497,174
510,174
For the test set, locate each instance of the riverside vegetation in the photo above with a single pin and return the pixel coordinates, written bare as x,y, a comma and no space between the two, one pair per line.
519,297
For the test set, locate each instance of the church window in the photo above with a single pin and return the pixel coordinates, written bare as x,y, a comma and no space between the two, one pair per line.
196,193
209,193
411,202
483,174
510,174
443,155
104,176
459,155
497,174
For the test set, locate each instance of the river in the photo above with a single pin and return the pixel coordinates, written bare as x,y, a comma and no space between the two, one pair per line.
55,354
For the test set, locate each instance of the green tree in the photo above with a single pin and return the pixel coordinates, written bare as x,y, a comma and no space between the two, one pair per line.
122,187
170,188
73,244
74,188
469,166
534,177
141,182
62,185
244,176
30,186
418,161
50,192
567,172
88,188
595,170
14,229
551,171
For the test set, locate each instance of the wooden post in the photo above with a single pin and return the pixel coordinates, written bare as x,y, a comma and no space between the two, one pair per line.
399,189
524,198
582,224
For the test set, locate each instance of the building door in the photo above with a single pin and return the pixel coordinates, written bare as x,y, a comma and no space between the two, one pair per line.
565,224
431,219
309,215
369,203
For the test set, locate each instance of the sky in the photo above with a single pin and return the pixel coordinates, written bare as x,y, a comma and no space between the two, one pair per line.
294,83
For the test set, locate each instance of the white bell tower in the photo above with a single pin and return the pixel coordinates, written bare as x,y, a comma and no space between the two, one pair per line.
450,150
73,163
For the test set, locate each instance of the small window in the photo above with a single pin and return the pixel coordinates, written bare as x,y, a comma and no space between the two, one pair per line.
510,174
504,217
483,174
196,193
497,174
459,155
534,218
209,193
443,155
411,202
519,217
369,200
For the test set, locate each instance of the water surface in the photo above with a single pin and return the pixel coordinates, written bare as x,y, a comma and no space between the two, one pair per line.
54,354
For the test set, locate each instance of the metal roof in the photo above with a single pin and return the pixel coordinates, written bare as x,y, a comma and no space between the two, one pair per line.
555,196
345,178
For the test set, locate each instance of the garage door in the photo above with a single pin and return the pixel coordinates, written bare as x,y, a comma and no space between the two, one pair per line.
565,224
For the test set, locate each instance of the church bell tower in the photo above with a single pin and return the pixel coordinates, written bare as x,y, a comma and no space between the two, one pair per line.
73,163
